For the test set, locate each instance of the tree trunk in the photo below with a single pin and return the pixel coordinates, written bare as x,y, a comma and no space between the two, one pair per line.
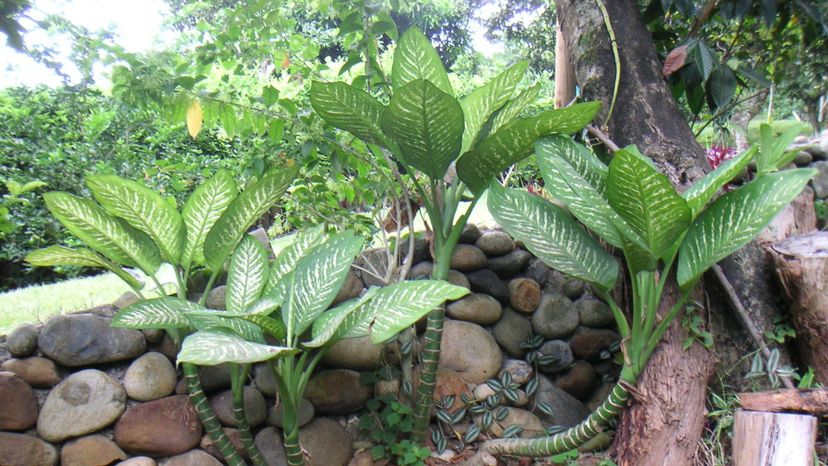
663,425
802,264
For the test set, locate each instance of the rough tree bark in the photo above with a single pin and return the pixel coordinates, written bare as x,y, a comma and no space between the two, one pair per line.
663,425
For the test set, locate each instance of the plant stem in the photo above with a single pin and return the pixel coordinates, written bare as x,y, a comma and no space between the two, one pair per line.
207,288
208,417
237,376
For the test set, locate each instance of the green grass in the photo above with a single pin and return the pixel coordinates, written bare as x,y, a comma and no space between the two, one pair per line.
38,303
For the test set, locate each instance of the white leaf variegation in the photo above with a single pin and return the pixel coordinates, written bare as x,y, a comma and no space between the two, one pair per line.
350,109
142,208
286,261
61,255
552,235
246,275
514,107
587,164
736,218
203,319
202,210
415,58
165,312
330,322
483,101
213,347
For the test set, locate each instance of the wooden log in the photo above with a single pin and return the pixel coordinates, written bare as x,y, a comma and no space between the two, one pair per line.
802,266
812,401
773,439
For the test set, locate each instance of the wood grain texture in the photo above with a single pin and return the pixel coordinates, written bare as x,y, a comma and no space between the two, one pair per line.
812,401
773,439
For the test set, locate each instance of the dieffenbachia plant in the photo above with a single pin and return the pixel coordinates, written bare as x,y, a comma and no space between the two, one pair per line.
129,225
632,206
426,130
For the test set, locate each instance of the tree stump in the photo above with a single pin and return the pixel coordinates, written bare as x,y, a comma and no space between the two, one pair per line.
773,439
802,266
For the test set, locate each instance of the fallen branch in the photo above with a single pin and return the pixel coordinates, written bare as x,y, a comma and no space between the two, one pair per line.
811,401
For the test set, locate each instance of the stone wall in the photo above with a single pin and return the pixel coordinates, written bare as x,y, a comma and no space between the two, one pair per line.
77,391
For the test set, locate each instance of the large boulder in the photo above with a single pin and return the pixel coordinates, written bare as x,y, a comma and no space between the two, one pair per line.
337,391
326,442
150,377
22,341
495,243
255,407
19,410
556,316
565,410
511,331
470,350
353,353
192,458
467,258
25,450
92,450
35,371
164,427
80,340
477,308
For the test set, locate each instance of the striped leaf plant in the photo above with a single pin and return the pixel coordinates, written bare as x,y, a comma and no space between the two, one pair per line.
668,239
432,133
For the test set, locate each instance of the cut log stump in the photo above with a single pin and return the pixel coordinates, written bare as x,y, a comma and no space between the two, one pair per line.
773,439
811,401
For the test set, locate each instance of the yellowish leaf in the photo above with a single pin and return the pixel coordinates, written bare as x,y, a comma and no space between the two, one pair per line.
194,118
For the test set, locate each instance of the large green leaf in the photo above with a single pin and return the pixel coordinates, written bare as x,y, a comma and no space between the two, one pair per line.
245,209
112,237
396,307
286,261
514,107
427,125
205,319
587,164
485,100
316,280
202,210
350,109
415,58
513,142
61,255
330,323
736,218
142,208
647,201
213,347
164,312
703,190
246,275
552,236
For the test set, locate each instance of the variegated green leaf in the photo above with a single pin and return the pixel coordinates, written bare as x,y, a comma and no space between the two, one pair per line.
213,347
647,201
703,190
61,255
485,100
275,327
415,58
317,279
513,143
396,307
350,109
203,209
736,218
552,236
286,261
203,319
142,208
427,125
513,108
587,164
265,305
112,237
245,209
164,312
246,275
330,322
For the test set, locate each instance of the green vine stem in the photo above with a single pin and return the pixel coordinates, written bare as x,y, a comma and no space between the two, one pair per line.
616,56
238,375
208,417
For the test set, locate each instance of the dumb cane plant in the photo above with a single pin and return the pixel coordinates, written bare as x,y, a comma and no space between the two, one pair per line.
632,206
427,130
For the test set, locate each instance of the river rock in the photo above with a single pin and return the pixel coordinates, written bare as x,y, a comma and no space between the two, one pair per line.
92,450
35,371
82,403
566,410
560,353
138,461
80,340
524,295
487,282
217,298
531,424
478,308
255,407
573,289
353,353
19,410
373,264
125,300
337,391
820,181
467,258
556,316
153,335
537,270
305,414
234,435
327,442
25,450
470,350
510,331
423,269
588,343
470,234
271,446
510,264
351,288
192,458
803,158
164,427
495,243
579,381
457,278
150,377
450,383
214,378
520,370
593,313
264,379
22,341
